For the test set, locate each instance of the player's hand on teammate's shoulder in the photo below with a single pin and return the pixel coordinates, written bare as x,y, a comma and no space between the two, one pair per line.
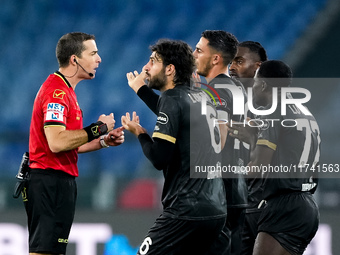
244,131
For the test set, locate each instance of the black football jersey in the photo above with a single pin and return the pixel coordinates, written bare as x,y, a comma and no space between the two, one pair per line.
180,121
295,138
234,153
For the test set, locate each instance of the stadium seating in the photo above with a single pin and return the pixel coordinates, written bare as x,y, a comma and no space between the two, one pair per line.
124,30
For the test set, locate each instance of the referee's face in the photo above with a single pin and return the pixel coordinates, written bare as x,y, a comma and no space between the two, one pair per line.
155,72
89,60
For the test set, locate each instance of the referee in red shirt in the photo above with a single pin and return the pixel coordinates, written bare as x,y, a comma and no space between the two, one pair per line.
56,137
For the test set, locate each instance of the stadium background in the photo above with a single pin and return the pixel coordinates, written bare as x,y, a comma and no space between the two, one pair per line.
118,187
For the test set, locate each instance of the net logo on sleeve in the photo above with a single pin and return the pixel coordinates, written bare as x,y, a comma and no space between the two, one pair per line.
55,112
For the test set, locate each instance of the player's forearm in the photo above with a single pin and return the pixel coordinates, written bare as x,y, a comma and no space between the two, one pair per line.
149,97
159,152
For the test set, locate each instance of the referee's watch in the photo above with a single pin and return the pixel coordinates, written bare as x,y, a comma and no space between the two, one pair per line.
102,142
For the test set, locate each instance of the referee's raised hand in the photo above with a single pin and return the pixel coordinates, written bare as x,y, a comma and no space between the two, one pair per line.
108,120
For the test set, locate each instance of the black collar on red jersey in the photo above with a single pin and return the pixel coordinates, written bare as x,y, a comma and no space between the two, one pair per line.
63,77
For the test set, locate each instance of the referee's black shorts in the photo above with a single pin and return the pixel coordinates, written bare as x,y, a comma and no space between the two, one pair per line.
175,237
292,219
49,198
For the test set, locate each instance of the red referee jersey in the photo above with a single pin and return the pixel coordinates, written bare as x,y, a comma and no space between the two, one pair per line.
55,105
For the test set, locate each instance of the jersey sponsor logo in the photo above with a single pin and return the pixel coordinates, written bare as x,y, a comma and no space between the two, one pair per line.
62,240
56,116
265,125
55,112
162,118
210,94
221,103
58,93
308,186
55,107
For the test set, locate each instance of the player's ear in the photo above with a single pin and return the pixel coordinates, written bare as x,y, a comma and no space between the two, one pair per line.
257,64
170,69
216,58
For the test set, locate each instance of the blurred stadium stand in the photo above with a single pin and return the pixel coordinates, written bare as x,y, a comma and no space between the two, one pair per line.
30,30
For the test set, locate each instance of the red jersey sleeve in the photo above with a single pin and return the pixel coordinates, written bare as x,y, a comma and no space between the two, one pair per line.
55,107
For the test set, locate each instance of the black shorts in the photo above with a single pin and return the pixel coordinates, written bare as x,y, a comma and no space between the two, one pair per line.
222,245
292,219
249,230
49,199
174,236
229,240
235,220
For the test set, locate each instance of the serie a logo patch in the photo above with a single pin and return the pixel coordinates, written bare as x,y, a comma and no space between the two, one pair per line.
58,93
55,112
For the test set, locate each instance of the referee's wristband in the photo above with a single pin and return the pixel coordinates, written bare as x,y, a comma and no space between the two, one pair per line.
102,142
95,130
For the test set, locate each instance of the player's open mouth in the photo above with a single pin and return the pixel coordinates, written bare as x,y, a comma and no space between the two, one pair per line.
233,75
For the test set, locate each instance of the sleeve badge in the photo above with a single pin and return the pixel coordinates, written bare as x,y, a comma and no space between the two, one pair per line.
58,93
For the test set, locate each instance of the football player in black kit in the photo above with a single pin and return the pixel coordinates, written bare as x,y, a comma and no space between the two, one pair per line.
248,59
194,209
290,217
213,53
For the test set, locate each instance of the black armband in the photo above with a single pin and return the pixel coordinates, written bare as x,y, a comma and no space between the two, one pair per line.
95,130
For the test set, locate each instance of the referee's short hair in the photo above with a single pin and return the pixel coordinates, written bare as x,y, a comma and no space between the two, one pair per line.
69,44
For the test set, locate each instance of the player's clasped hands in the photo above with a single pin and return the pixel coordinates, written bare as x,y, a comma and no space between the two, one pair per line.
115,137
